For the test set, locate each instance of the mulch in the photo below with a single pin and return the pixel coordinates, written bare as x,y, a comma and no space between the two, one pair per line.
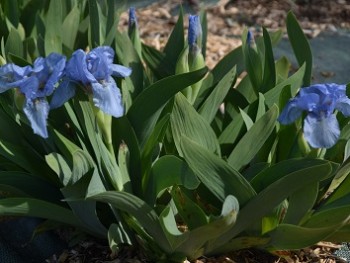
227,19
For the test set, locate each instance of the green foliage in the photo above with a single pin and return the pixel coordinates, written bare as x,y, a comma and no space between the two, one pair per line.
180,176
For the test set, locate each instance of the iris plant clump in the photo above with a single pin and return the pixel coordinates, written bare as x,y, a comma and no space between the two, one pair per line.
319,101
52,75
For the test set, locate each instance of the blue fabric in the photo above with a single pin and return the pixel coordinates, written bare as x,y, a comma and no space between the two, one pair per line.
18,246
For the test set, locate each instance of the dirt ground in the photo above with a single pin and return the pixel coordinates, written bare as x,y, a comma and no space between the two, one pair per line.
228,18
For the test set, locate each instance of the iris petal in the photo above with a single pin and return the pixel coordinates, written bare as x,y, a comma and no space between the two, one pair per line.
107,97
76,68
64,92
290,113
56,63
37,112
120,71
29,87
322,132
343,105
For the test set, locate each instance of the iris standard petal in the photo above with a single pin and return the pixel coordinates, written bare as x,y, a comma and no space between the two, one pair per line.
56,64
194,30
308,102
12,76
336,90
107,97
76,68
120,71
64,92
37,112
132,17
98,62
321,132
290,113
343,105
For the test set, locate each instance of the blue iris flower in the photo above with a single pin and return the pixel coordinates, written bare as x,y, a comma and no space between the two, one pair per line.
35,83
94,71
132,17
194,32
321,128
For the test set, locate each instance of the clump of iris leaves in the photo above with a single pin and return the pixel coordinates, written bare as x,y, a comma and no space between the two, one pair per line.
151,148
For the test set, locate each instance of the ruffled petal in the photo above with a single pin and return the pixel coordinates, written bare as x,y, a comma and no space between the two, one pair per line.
120,71
107,97
99,60
76,68
12,76
343,105
29,87
322,132
37,112
64,92
290,113
56,64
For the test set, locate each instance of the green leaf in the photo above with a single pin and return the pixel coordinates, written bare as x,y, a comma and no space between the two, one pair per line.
145,215
231,132
94,23
70,28
232,59
11,10
261,107
14,43
57,163
185,121
156,62
219,177
253,64
53,25
340,184
190,212
175,42
246,88
167,171
37,208
19,61
247,120
295,81
123,133
199,239
253,140
204,24
282,69
123,163
143,114
85,210
281,169
296,237
66,147
341,235
272,196
128,57
33,186
24,157
300,203
212,103
82,163
152,147
269,77
300,46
